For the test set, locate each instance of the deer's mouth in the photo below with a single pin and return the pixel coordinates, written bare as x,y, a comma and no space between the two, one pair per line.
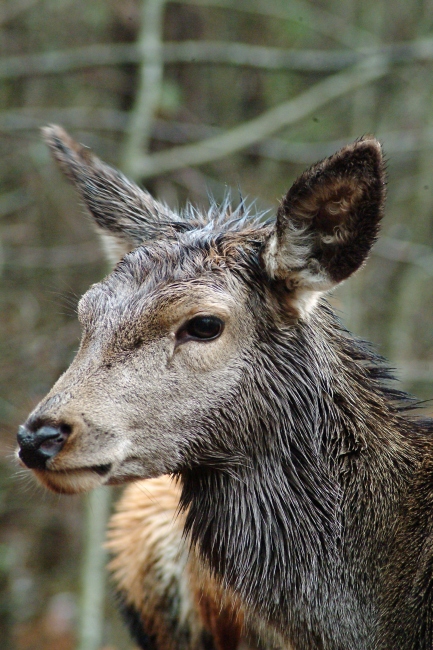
102,470
74,481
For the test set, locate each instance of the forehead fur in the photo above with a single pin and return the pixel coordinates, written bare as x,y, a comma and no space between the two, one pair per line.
192,254
197,260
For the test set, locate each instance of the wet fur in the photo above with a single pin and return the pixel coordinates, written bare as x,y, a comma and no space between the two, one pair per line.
304,481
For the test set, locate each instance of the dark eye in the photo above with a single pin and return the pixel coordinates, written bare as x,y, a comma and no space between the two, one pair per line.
201,328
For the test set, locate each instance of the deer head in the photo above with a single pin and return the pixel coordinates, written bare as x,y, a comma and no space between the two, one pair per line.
181,345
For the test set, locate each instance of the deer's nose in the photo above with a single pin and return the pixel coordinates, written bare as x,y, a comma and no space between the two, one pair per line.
36,447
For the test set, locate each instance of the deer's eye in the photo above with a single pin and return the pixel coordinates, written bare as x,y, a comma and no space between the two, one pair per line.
201,328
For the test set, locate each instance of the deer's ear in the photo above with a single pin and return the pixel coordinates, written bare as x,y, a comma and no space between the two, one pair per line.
328,222
125,215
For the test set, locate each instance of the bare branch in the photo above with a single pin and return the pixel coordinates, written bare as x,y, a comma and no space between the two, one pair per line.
273,58
59,61
261,127
205,52
258,56
78,117
149,85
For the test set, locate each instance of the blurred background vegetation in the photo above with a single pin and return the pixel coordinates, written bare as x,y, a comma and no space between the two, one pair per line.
241,94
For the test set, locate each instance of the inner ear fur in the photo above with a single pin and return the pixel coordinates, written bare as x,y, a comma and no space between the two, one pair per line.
329,219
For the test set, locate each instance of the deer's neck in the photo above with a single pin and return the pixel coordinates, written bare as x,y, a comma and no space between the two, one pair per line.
298,523
282,559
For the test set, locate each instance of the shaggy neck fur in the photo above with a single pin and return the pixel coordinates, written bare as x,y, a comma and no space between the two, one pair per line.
296,510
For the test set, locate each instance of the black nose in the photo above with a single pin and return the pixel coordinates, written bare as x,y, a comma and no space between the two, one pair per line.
36,447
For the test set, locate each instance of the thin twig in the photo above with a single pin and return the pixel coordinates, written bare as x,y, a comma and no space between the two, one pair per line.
60,61
76,117
273,58
211,52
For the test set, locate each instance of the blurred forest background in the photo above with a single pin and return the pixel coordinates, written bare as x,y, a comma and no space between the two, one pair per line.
188,97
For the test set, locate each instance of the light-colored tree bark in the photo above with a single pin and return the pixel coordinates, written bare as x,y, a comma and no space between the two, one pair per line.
148,94
91,620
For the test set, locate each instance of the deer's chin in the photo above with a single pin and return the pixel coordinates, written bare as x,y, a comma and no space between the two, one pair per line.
84,479
73,481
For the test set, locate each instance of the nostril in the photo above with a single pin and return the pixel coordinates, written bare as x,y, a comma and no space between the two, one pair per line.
36,447
50,440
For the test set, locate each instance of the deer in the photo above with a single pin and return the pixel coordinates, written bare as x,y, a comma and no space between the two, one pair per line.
280,485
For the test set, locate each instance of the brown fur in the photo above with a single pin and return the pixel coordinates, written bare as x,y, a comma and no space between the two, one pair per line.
147,532
209,354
